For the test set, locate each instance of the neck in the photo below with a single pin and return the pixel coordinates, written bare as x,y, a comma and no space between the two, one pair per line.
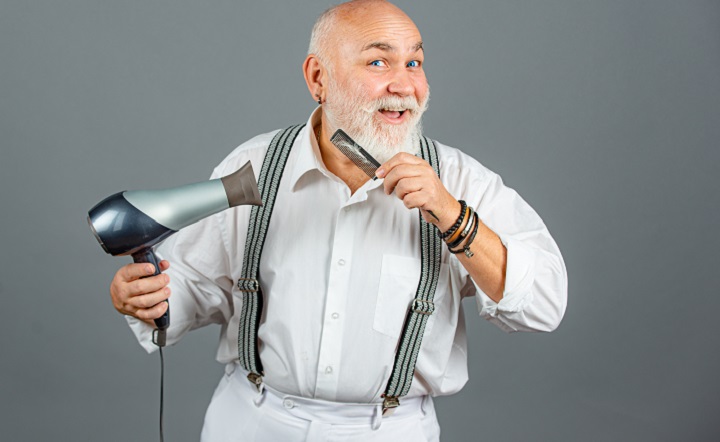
336,162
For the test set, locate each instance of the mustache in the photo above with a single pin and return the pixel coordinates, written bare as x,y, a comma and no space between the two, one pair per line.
394,102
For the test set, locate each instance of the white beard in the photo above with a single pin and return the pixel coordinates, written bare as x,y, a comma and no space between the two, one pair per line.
346,110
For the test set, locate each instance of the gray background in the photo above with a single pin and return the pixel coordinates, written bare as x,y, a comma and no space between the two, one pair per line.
603,115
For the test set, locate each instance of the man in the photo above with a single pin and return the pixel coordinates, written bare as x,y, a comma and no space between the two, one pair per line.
341,261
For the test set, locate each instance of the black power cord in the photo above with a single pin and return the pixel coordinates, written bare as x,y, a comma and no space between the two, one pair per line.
162,393
161,344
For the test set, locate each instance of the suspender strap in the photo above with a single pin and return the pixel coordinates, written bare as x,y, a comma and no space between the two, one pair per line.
418,313
252,306
422,306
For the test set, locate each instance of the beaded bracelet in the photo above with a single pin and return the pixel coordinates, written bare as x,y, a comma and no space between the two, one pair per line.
456,241
466,247
459,221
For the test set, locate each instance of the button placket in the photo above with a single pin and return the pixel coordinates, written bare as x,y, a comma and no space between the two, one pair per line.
333,330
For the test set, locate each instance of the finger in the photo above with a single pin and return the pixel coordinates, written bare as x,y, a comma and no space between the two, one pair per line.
400,172
148,300
418,193
164,265
153,312
415,200
409,185
138,306
396,160
146,285
135,271
121,292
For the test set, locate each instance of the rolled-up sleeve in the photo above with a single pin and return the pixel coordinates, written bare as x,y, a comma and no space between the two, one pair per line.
535,293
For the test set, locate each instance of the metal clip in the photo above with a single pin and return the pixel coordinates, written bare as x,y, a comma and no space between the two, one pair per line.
390,403
423,307
248,285
255,379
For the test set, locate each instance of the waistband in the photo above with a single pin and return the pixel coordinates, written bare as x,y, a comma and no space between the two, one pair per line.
327,412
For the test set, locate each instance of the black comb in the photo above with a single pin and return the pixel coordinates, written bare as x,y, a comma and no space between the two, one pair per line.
355,153
359,156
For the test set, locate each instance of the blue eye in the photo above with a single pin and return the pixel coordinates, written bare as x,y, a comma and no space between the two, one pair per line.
413,64
376,63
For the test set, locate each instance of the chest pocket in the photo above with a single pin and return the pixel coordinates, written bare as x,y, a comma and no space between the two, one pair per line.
399,279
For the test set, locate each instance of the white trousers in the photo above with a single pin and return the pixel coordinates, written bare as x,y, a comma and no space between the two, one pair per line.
238,412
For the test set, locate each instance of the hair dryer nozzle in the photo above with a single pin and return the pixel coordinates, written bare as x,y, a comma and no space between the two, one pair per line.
241,187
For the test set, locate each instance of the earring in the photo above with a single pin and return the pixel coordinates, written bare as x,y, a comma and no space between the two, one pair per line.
319,99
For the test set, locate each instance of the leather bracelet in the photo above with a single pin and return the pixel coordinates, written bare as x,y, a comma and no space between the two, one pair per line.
459,221
466,217
470,240
455,241
468,227
466,248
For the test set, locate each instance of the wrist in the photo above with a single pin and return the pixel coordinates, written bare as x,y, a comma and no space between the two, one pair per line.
451,219
448,217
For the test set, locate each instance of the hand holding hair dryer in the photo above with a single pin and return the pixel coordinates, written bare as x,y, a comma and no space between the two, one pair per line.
132,222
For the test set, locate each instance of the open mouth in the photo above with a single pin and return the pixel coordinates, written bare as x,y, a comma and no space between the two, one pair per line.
393,114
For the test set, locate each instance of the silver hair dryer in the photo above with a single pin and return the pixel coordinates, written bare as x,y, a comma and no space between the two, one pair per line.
132,222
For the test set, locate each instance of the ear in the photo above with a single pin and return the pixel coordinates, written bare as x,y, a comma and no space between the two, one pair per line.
315,76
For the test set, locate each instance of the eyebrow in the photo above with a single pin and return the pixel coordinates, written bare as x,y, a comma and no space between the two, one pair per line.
388,47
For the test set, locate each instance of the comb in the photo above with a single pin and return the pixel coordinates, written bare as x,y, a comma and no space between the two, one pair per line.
359,156
355,153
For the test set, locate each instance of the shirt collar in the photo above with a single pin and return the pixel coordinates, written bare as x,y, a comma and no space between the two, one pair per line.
309,159
308,151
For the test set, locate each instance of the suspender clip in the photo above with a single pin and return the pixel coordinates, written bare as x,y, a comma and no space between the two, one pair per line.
423,307
390,403
255,379
248,285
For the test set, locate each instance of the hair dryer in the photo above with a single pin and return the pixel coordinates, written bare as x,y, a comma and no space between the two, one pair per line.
132,222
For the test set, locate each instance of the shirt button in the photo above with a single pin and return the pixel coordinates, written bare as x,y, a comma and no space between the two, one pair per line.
335,315
341,262
328,370
287,403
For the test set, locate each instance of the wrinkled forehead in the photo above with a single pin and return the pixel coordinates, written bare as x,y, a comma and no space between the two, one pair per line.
383,28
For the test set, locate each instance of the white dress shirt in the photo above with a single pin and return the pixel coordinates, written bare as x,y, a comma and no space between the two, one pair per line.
339,271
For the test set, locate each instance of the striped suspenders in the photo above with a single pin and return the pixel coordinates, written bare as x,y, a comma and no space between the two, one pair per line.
252,306
422,306
418,313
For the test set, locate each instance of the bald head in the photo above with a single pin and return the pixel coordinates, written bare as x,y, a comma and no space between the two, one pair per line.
348,21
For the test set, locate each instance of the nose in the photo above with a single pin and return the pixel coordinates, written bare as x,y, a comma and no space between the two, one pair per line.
401,83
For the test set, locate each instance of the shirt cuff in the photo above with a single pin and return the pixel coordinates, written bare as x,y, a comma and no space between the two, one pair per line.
143,332
519,277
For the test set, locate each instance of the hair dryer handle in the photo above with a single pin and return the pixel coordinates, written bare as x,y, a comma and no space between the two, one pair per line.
163,322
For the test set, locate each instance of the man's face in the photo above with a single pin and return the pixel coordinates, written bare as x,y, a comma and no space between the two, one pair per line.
377,90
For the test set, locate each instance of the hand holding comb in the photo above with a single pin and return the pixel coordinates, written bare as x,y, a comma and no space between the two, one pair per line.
359,156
